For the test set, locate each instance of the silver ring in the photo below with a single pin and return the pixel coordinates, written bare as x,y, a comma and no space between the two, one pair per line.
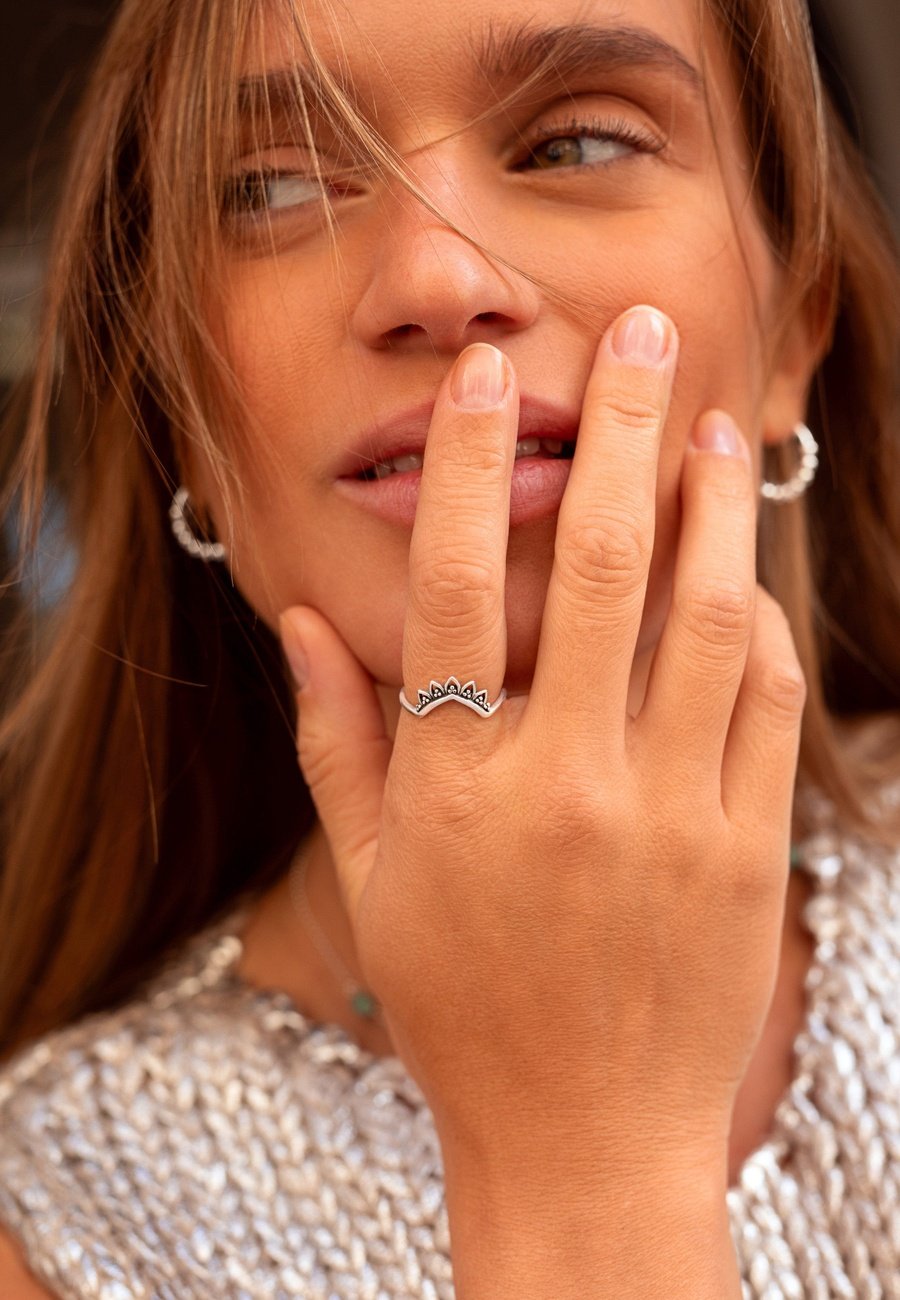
469,695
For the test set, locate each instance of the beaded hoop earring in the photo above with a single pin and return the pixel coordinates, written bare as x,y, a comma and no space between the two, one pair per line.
809,463
184,535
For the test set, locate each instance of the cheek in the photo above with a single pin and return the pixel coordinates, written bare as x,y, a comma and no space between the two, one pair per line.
715,283
716,280
722,299
281,346
281,349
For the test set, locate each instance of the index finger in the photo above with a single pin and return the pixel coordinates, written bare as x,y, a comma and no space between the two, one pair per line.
456,621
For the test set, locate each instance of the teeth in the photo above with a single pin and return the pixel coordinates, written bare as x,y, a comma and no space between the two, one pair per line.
402,463
524,447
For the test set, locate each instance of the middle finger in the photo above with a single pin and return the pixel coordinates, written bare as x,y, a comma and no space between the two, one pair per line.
604,537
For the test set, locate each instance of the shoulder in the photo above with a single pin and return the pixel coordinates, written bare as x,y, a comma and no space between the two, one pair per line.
112,1051
89,1111
70,1084
16,1280
184,1133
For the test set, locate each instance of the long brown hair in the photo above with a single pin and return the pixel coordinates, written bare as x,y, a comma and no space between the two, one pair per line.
147,766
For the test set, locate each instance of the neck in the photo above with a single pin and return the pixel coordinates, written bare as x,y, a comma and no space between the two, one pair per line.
278,952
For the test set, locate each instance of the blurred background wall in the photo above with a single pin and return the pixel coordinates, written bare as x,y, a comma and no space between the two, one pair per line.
47,46
45,51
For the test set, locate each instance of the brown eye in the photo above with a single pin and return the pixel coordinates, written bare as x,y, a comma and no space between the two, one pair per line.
267,191
587,144
579,151
565,150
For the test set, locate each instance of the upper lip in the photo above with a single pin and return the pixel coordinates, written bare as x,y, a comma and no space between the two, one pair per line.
407,432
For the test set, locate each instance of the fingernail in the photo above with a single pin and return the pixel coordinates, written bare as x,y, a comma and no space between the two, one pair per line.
294,652
479,378
642,337
716,431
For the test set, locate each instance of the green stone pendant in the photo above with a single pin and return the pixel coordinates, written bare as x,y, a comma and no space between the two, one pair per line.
364,1004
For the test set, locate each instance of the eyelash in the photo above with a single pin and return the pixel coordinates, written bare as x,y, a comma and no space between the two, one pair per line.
618,130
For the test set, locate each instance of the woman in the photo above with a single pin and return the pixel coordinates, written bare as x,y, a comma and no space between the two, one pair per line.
451,344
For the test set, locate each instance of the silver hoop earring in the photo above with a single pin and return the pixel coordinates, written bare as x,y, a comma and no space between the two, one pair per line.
184,535
809,463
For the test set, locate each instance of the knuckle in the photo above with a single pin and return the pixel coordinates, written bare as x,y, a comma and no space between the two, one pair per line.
575,809
444,580
319,758
566,825
613,553
718,613
465,630
474,454
774,665
630,411
753,885
783,687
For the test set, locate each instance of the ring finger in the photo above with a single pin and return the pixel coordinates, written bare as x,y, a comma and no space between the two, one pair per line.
702,654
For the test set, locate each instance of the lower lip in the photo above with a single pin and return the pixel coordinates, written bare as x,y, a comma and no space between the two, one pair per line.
536,491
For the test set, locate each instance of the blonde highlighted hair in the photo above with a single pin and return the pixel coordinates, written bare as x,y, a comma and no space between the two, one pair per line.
147,766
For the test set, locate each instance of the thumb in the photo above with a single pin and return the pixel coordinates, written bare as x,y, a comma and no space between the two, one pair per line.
342,744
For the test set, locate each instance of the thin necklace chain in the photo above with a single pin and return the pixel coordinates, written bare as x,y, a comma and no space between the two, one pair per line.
359,999
361,1002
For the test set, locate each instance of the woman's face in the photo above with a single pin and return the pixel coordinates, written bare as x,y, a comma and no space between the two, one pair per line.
604,182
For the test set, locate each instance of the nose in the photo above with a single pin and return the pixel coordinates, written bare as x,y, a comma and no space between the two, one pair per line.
429,289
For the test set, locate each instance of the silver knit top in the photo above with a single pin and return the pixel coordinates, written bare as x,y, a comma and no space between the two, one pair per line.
207,1140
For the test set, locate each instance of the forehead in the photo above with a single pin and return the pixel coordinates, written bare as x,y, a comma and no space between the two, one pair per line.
415,49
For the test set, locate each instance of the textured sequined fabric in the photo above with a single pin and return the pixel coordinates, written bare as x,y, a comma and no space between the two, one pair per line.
207,1140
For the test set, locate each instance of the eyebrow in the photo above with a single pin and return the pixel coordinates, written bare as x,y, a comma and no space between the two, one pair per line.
511,52
505,53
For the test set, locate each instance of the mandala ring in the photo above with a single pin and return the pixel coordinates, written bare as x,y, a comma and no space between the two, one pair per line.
452,689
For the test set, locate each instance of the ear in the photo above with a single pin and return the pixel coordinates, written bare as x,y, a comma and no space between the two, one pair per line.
802,344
